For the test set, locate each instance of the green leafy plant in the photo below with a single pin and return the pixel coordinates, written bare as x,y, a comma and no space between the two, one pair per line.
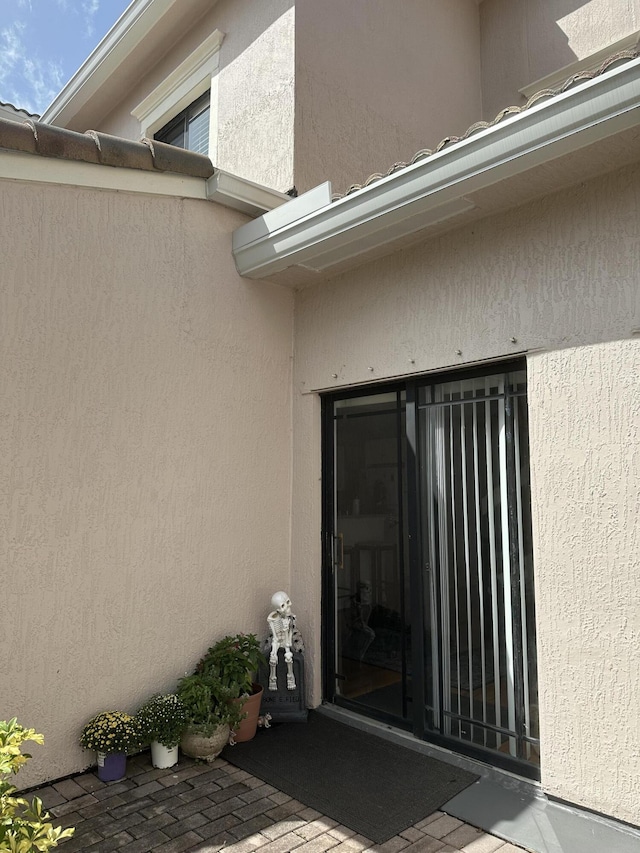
233,661
24,826
110,732
207,703
163,718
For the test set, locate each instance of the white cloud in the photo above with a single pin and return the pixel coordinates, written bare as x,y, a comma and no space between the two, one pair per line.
89,8
26,82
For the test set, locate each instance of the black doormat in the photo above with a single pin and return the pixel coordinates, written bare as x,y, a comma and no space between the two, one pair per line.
366,783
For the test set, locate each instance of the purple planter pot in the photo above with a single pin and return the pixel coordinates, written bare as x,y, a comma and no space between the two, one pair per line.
112,766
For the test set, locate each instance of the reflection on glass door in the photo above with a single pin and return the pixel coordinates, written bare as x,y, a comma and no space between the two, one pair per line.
372,637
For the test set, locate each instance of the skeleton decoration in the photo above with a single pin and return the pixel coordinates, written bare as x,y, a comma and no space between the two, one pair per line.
282,623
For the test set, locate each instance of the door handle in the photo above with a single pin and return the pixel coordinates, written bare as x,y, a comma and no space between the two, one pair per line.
340,561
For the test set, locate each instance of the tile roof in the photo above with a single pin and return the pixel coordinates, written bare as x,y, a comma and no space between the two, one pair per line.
18,110
34,137
424,153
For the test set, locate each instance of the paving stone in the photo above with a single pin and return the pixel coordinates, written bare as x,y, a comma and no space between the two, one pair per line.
316,827
412,834
69,789
212,828
176,845
124,823
247,845
282,827
193,793
73,805
286,809
284,844
253,782
98,808
319,844
250,828
249,810
213,845
181,775
90,782
109,844
484,844
144,790
260,792
174,791
80,842
510,848
427,844
393,845
430,819
442,826
132,806
464,834
218,809
342,832
148,826
173,827
185,809
146,843
114,788
305,814
225,793
49,795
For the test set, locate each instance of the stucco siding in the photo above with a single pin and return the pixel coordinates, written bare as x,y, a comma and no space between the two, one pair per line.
525,40
255,81
557,277
376,82
144,452
584,408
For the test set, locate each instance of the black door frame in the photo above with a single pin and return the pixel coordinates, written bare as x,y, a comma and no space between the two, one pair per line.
417,720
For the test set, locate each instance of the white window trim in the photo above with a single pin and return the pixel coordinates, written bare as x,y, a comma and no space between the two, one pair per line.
192,78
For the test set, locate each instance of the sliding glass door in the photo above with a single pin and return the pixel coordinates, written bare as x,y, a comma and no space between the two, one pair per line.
429,608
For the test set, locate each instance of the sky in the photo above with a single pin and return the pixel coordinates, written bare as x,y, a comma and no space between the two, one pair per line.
44,42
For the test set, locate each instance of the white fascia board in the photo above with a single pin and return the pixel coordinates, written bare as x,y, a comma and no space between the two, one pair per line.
21,166
430,190
243,195
126,34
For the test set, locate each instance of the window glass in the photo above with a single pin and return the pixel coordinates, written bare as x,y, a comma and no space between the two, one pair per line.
189,129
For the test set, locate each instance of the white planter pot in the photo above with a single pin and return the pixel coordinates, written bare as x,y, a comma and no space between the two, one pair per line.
162,756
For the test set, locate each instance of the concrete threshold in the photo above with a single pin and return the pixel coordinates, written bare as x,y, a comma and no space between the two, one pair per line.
508,806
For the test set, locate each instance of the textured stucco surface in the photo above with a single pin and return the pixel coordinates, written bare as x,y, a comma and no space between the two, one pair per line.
524,40
144,452
585,465
559,274
369,83
255,88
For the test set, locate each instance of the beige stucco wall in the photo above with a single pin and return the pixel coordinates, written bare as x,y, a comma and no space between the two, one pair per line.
255,107
144,452
560,275
585,464
378,81
525,40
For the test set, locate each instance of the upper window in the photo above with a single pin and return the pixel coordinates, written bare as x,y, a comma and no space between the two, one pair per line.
190,128
182,110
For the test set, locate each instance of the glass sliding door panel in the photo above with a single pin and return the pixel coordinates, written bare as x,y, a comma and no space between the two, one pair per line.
372,637
480,672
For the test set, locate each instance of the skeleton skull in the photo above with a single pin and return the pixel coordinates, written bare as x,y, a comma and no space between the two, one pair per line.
281,603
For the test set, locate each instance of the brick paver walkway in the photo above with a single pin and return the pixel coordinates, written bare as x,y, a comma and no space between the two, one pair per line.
208,807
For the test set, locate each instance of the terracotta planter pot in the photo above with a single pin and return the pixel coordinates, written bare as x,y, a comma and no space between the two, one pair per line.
195,745
251,707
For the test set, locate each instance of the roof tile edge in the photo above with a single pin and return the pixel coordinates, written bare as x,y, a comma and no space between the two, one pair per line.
46,140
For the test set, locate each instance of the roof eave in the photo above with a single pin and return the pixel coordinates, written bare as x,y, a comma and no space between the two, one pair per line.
313,232
134,25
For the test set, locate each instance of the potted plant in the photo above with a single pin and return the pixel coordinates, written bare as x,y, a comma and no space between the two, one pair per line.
24,826
161,721
112,734
209,716
234,662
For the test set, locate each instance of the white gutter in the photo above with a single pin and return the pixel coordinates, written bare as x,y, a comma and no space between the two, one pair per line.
242,194
129,30
313,232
